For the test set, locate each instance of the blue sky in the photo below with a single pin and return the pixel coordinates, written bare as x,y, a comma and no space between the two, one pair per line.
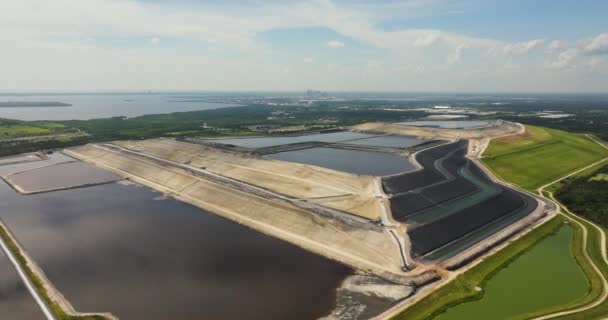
389,45
514,20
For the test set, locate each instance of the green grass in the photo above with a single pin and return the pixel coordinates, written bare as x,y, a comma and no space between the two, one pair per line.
532,136
10,129
585,173
540,156
462,289
22,131
528,284
38,284
599,177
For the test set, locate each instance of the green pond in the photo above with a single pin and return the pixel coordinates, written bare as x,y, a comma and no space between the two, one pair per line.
545,276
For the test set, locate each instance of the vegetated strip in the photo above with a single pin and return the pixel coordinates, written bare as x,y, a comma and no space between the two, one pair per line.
462,290
38,284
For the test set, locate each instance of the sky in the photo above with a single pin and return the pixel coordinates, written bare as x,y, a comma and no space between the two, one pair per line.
294,45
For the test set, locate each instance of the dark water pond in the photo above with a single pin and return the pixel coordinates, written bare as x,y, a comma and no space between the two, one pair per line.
62,175
353,161
114,248
263,142
15,301
57,157
389,141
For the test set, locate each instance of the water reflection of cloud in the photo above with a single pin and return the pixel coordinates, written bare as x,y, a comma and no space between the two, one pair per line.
15,300
111,248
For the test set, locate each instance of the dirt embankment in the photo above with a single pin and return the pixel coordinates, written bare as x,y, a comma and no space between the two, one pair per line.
365,248
342,191
495,129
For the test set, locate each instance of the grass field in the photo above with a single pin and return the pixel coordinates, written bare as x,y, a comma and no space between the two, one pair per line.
10,129
21,131
585,173
540,156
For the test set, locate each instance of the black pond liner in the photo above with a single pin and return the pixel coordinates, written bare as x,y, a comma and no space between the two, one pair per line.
451,158
429,237
405,205
439,182
451,249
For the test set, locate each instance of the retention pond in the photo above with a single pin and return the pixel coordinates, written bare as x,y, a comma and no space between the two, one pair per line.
353,161
125,249
544,277
263,142
389,141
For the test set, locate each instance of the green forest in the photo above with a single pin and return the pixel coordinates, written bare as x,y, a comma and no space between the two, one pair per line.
587,195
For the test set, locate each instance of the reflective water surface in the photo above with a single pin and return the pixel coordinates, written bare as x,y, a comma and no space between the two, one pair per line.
389,141
57,157
15,301
353,161
126,250
89,106
262,142
62,175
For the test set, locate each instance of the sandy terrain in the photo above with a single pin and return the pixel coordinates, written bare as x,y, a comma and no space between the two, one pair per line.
497,129
334,189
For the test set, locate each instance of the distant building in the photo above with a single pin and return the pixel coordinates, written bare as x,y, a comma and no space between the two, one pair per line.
263,127
316,94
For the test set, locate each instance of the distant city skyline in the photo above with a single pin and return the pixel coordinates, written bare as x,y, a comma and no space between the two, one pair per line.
386,46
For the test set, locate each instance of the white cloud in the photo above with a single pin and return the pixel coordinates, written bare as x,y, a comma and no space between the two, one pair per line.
427,40
597,45
564,59
224,39
334,44
456,56
554,46
522,47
